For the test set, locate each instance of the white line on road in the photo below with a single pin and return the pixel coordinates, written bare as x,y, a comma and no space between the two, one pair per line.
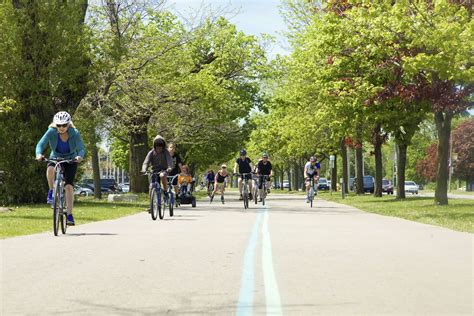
272,294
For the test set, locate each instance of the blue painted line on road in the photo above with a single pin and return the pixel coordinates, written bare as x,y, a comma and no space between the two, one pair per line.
272,294
245,303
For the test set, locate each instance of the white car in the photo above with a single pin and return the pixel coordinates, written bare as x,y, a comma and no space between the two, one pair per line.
411,187
84,191
125,187
286,184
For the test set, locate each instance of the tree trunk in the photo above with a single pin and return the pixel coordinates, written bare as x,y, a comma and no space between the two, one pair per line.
334,175
138,152
296,175
377,141
282,176
96,172
359,170
443,126
345,171
401,164
289,176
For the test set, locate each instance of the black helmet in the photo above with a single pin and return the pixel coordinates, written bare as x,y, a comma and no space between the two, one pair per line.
243,152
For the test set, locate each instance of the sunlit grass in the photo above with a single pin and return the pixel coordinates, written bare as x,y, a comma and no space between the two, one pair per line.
458,215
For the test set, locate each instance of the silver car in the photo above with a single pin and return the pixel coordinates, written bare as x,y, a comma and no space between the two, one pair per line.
411,187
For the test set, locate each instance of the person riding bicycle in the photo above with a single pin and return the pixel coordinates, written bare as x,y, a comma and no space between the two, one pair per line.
264,168
184,181
245,166
177,163
160,161
221,180
65,142
210,176
311,170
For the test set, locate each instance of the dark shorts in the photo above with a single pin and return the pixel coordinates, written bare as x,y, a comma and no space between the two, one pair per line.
69,169
247,176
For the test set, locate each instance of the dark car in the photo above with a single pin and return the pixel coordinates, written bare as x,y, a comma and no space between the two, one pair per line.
323,184
387,186
107,185
369,184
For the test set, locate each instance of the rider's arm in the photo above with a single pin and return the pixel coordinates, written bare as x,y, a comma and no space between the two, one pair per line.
235,167
146,162
305,171
43,142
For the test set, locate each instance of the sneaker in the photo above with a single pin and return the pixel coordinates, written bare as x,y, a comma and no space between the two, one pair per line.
70,220
49,199
212,198
222,199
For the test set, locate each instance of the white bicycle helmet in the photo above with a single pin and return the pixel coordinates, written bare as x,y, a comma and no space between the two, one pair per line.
62,118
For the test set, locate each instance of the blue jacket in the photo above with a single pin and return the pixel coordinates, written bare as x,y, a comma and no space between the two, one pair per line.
51,137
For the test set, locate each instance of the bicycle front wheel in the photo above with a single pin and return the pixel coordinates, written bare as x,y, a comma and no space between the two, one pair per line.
56,209
171,203
154,205
63,215
161,208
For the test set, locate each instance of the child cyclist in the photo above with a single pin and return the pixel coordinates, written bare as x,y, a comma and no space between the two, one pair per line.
221,181
160,161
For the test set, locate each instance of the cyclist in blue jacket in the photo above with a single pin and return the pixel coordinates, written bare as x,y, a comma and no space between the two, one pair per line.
311,170
65,142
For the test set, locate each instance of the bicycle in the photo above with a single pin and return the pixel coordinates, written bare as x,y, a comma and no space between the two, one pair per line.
59,195
245,188
157,209
313,190
263,191
210,188
171,198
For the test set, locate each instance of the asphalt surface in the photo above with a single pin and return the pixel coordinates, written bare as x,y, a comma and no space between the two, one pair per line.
285,258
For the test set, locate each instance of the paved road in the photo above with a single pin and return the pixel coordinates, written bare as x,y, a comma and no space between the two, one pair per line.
450,196
218,260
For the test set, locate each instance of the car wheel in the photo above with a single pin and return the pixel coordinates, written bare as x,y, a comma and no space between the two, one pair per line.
82,193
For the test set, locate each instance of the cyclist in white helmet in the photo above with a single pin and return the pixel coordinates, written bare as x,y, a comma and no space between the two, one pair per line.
65,142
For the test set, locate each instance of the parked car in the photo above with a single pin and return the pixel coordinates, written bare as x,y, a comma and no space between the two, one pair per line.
351,184
329,183
368,182
323,184
106,184
286,184
387,186
84,191
124,187
411,187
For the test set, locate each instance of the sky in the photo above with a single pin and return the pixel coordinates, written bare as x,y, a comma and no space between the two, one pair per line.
253,17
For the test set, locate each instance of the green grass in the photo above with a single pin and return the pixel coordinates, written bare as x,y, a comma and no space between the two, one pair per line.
30,219
458,215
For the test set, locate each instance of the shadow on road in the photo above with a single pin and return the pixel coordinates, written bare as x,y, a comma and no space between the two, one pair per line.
90,234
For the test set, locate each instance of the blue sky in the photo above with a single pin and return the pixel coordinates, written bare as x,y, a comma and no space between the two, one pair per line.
253,17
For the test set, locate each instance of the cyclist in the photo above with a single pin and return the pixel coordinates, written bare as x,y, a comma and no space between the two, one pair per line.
65,142
221,182
160,160
311,170
245,166
177,163
210,176
264,168
185,180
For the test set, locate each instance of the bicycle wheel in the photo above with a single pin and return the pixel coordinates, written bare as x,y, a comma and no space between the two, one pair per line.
154,204
56,209
255,195
210,189
161,208
171,202
264,194
63,214
311,196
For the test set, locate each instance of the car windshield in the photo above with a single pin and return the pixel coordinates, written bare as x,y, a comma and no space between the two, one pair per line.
323,180
385,182
409,183
368,180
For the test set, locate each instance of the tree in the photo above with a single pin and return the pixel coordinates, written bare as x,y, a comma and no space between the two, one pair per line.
44,54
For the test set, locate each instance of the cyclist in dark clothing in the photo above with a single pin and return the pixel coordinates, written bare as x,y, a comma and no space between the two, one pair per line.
210,176
264,168
244,165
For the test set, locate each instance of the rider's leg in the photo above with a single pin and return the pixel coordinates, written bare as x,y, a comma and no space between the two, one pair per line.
240,186
50,176
69,198
164,182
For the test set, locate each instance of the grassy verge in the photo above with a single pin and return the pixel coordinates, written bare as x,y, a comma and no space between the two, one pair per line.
30,219
458,215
